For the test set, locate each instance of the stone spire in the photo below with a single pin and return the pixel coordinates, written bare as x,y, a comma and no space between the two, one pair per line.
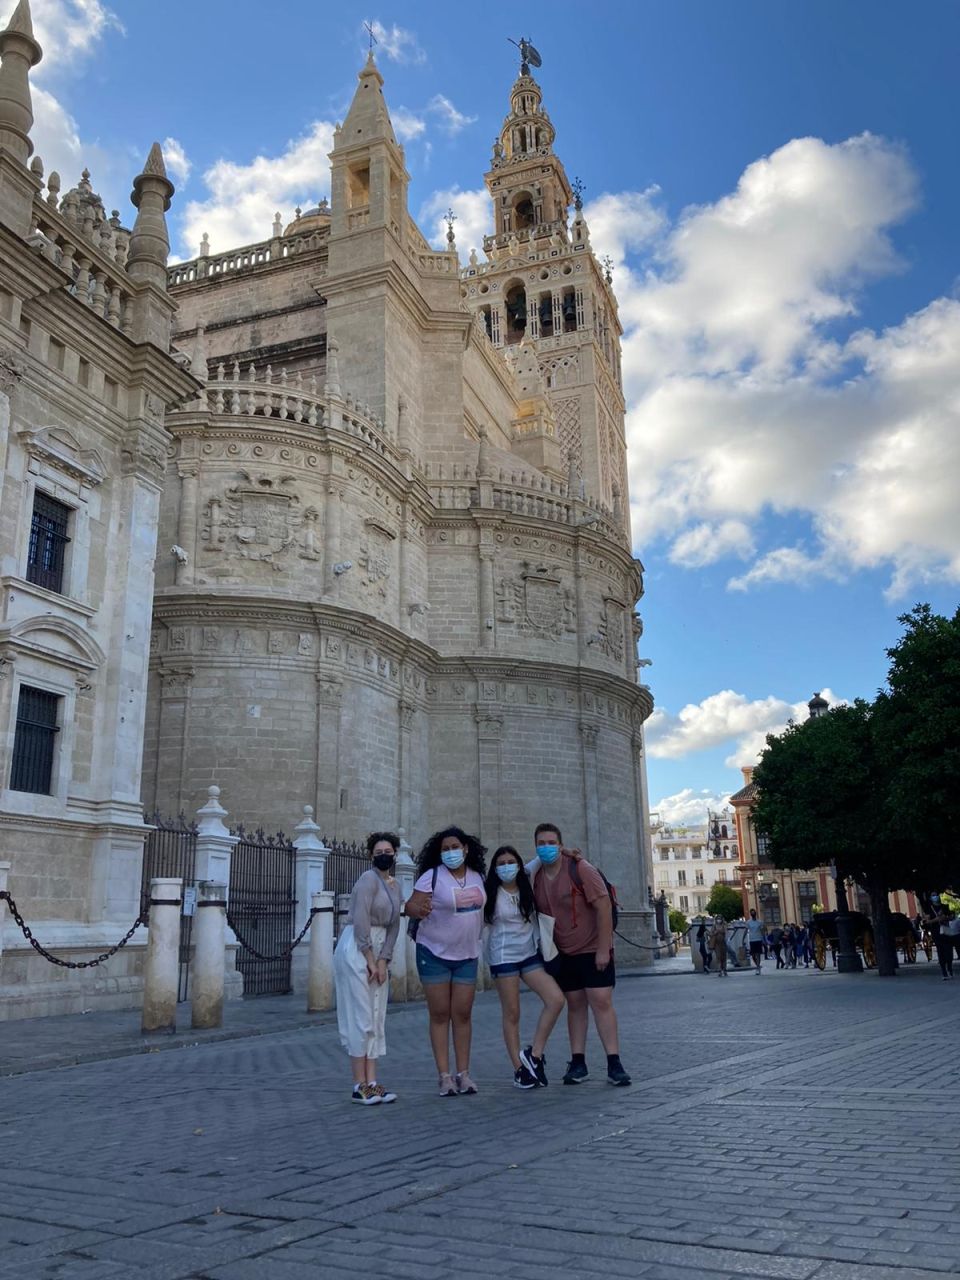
149,244
368,117
19,51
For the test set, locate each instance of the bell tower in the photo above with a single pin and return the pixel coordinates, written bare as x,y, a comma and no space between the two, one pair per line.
543,285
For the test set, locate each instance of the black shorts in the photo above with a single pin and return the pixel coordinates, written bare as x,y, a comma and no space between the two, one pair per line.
574,973
756,949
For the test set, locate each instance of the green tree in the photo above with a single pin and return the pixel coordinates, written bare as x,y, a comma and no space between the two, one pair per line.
678,921
725,901
917,733
822,787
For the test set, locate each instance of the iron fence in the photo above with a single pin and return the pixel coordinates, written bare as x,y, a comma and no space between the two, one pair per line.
346,863
263,908
170,850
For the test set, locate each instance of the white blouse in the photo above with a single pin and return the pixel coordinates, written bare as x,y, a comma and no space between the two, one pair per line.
510,938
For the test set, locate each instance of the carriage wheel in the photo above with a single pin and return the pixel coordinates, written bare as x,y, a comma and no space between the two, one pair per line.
869,951
820,951
910,951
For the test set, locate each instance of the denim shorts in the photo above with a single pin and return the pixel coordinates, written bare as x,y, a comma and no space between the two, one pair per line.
432,969
518,966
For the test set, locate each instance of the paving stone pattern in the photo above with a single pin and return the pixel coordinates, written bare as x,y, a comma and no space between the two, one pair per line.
798,1126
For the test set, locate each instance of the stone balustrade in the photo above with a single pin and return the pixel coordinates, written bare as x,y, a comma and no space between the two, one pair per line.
286,398
93,256
521,494
247,258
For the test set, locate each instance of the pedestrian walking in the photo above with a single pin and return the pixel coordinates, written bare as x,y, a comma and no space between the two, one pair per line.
789,941
755,939
514,953
451,870
718,945
776,945
941,927
801,946
363,952
584,967
702,945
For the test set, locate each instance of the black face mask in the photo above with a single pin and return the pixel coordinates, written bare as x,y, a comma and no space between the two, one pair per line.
384,861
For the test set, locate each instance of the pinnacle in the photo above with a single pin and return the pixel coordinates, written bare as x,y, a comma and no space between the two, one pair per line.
155,163
21,21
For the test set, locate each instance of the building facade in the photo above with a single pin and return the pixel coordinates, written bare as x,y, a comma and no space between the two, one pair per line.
86,374
689,860
395,576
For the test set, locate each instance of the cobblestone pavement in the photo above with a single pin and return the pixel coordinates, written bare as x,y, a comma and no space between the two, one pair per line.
796,1126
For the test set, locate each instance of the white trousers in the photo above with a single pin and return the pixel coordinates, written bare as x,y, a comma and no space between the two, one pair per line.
361,1004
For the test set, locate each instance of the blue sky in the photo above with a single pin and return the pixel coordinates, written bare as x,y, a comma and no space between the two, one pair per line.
777,185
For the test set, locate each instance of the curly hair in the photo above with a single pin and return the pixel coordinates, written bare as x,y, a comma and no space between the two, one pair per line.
374,838
525,899
473,849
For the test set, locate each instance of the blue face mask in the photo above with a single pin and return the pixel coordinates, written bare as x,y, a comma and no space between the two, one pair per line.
452,858
507,871
548,853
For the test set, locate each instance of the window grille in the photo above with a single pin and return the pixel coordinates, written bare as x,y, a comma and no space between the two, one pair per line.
34,742
48,542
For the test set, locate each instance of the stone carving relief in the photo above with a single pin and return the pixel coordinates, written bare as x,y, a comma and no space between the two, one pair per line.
608,637
261,519
537,602
12,370
175,682
376,556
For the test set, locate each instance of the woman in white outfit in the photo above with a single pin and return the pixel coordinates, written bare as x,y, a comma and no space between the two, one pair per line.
513,952
364,949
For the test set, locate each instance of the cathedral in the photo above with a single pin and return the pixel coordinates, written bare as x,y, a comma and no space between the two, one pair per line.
377,495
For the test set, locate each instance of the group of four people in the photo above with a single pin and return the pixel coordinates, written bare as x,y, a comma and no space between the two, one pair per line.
458,907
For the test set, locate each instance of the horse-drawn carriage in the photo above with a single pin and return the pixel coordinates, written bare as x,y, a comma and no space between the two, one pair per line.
823,930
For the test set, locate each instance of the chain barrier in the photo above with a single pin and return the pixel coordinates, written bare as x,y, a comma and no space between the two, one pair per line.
283,954
27,932
674,938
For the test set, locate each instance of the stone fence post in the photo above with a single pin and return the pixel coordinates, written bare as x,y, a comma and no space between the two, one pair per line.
161,970
309,876
214,842
4,873
320,987
406,875
209,955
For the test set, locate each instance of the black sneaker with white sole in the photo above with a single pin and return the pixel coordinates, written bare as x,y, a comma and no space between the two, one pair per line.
576,1073
522,1078
616,1075
536,1066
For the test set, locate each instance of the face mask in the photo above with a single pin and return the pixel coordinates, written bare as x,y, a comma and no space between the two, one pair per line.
548,853
507,872
384,861
452,858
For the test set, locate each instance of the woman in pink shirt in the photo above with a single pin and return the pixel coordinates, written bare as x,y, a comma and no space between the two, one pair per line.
451,870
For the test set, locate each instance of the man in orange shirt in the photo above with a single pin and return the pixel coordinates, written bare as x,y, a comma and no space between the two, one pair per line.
584,967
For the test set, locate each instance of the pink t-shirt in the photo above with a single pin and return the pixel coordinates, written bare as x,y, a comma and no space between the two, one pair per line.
452,929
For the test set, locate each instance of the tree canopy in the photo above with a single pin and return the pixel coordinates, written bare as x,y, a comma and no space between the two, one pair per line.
875,787
725,901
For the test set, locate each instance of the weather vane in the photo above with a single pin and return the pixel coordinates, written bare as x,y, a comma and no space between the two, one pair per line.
576,186
373,38
528,55
450,218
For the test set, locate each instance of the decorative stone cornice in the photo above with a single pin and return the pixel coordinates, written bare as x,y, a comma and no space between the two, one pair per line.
60,450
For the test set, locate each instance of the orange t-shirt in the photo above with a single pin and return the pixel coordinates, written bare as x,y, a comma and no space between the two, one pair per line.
575,931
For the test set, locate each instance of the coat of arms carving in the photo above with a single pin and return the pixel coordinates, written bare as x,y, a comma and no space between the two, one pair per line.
537,602
262,519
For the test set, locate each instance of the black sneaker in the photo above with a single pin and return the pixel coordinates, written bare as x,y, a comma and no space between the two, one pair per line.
575,1073
522,1078
536,1066
617,1075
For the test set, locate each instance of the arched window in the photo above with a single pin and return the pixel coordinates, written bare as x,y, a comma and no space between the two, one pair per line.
516,308
545,308
523,211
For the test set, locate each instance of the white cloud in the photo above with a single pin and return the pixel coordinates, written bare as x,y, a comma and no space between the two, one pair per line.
68,30
705,544
176,160
395,43
724,717
244,197
449,119
407,125
746,402
474,218
688,808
